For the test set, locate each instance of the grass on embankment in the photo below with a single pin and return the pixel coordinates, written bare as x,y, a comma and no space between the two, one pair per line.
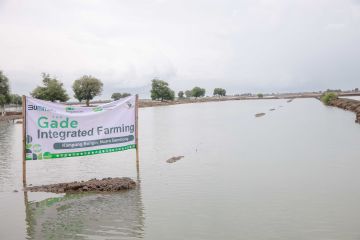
326,98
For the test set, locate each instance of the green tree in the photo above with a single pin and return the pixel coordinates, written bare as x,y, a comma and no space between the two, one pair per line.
86,88
15,99
181,94
117,95
260,95
219,92
52,90
160,90
188,93
124,95
198,92
4,89
2,102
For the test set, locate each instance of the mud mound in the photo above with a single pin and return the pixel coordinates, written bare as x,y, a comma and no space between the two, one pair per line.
259,114
174,159
93,185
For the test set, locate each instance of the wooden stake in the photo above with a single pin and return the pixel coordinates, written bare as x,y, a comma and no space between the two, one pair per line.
137,132
24,139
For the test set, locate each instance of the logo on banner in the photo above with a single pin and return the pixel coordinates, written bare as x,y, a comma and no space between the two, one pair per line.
37,108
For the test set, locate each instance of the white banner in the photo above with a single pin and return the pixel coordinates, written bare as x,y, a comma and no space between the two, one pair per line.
58,131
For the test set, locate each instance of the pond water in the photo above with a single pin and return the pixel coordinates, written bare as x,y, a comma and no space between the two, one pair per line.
353,97
291,174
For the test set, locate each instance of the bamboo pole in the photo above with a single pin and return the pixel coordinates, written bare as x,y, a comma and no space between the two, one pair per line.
24,140
137,132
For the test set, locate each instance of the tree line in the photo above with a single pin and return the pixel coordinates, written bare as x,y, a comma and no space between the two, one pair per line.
160,90
87,87
6,97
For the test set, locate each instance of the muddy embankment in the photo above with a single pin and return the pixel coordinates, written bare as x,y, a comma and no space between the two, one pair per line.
10,116
151,103
93,185
347,104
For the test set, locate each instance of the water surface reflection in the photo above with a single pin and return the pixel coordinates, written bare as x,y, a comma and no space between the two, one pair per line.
291,174
86,216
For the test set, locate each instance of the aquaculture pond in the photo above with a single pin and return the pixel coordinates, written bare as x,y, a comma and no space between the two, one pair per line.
292,173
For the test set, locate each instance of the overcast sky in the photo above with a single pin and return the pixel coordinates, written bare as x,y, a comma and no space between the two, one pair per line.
242,45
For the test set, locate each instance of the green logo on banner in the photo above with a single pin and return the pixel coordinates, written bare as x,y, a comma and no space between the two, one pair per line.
69,109
97,109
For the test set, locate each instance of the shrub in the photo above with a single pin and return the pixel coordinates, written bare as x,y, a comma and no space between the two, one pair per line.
327,97
117,95
181,94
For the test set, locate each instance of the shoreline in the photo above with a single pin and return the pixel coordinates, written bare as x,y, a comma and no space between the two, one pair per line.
344,103
10,118
347,105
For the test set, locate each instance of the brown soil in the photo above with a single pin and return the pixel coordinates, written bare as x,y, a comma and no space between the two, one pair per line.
148,103
11,113
348,104
10,118
93,185
151,103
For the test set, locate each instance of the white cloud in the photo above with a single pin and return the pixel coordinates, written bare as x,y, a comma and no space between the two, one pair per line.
247,45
